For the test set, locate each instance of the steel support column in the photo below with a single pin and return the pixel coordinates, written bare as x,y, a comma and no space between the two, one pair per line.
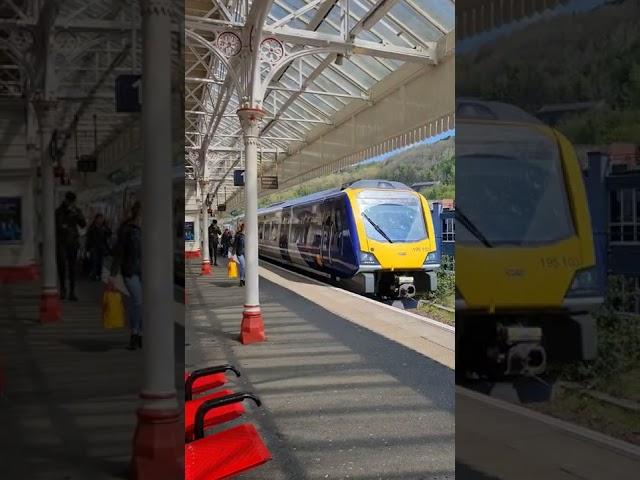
33,154
159,435
204,216
252,328
49,299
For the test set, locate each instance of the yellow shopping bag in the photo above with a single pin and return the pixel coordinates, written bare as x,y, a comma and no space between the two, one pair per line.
112,309
232,269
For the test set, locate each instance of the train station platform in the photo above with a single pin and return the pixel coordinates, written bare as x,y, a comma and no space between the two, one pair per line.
71,388
348,391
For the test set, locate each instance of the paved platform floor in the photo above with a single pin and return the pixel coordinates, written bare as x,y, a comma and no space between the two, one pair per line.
497,440
71,389
340,401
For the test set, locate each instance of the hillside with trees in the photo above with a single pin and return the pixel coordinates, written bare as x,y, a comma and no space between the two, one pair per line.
420,163
598,61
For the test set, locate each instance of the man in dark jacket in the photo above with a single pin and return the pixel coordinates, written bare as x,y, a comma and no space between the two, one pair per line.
214,232
68,219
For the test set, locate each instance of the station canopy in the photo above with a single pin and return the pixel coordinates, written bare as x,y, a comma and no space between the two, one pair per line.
303,99
90,45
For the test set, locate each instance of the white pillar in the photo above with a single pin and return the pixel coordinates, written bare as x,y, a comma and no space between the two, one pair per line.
49,299
253,327
33,153
157,442
157,236
204,215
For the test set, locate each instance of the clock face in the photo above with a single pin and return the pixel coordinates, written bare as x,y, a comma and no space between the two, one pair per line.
271,50
229,43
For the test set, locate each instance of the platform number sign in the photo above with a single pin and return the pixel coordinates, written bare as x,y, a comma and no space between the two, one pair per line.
238,178
128,93
87,163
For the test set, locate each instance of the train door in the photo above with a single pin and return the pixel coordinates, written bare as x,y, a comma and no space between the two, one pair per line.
327,231
283,242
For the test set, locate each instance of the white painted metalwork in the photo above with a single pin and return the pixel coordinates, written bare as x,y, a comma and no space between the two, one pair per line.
303,64
302,71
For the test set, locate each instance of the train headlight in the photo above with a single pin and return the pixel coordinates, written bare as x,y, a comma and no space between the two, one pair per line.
432,257
584,280
367,258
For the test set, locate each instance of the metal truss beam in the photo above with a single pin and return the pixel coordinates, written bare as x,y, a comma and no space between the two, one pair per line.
277,88
220,148
355,46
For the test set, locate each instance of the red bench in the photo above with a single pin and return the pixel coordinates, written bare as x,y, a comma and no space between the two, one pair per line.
214,416
204,379
227,453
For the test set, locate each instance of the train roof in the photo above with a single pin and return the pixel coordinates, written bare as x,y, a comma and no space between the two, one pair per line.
473,109
332,192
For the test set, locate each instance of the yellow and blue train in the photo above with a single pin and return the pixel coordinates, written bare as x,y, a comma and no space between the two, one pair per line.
526,273
376,237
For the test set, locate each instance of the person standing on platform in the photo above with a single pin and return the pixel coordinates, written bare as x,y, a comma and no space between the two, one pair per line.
238,250
226,242
97,245
127,259
68,218
214,233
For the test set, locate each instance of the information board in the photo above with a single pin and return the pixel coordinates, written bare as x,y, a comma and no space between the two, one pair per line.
189,232
269,182
10,220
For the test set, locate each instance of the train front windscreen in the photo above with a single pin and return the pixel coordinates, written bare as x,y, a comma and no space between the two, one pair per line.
391,216
513,191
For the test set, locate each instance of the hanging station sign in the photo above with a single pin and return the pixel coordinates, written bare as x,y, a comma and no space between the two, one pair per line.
222,208
269,182
128,93
238,178
87,163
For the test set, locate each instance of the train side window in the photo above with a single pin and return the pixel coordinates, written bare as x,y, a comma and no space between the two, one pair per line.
337,231
314,233
275,231
267,230
260,230
297,228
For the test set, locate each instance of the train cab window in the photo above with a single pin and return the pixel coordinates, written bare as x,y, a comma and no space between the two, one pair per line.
513,191
391,216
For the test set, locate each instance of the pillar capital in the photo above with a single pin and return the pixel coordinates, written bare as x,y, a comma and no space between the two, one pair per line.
250,119
162,8
45,110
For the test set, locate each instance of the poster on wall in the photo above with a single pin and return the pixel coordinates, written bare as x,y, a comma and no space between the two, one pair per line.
189,232
10,220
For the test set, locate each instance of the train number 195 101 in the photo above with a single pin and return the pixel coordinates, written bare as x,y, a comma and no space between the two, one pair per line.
560,262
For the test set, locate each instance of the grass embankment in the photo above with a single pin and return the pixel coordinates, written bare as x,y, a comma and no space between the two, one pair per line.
420,163
444,296
601,416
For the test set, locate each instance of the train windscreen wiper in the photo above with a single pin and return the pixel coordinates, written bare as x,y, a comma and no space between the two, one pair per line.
470,226
377,227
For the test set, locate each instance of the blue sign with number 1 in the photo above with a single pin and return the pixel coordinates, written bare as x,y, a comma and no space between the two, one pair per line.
128,93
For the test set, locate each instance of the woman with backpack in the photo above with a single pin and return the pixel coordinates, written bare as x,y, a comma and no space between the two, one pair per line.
238,250
127,259
97,245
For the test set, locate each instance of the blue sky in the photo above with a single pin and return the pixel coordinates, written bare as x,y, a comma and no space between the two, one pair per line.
574,6
426,141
